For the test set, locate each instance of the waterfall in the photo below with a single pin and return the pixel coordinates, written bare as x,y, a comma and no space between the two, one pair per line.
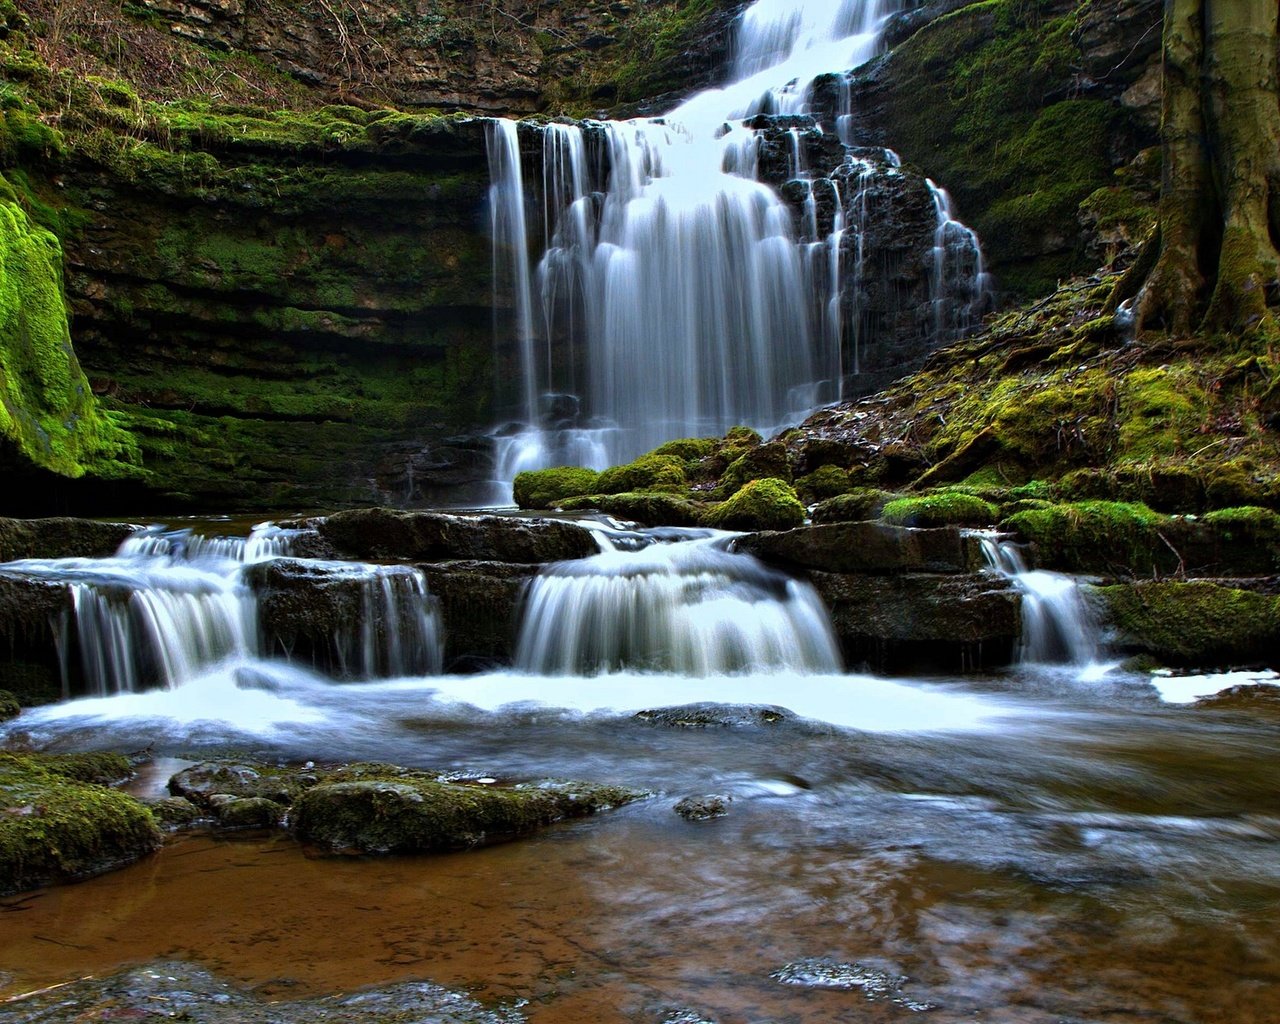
676,295
172,605
957,266
688,607
1056,624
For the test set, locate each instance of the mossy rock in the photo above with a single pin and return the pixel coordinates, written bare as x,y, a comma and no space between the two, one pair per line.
210,783
544,488
947,508
9,706
1194,624
251,812
53,828
767,504
857,506
690,449
414,813
174,812
1249,523
823,482
648,508
647,473
765,460
1094,535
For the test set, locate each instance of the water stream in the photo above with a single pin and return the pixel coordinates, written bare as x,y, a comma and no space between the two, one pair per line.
1028,847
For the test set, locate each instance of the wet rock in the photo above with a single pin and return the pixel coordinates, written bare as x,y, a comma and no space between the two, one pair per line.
9,706
1251,698
31,615
175,812
253,812
479,606
173,990
203,783
866,547
382,534
60,537
709,715
703,808
58,822
923,621
877,985
410,812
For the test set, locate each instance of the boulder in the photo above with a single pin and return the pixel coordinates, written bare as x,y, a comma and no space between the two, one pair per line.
866,547
480,609
211,784
382,534
61,537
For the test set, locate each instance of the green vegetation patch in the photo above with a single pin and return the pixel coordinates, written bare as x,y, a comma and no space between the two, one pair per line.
54,827
858,505
545,488
946,508
647,473
1081,533
648,508
768,504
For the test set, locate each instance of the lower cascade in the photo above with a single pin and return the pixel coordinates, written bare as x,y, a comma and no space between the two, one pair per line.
688,607
1056,624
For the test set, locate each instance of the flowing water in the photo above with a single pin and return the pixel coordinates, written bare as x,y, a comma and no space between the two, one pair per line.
1034,847
676,293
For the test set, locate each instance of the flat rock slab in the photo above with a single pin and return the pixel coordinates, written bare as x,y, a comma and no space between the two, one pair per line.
382,534
872,548
61,537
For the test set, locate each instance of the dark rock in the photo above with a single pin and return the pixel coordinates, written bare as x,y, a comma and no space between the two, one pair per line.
175,812
201,784
385,534
866,547
32,611
9,706
61,537
703,808
479,606
713,716
414,813
922,621
252,812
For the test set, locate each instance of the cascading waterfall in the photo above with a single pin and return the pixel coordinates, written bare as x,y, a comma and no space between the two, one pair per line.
957,266
676,295
172,605
1056,624
688,607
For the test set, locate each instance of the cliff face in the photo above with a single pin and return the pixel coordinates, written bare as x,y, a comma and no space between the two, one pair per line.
291,310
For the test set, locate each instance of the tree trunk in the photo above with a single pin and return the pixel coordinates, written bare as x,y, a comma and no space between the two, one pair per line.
1219,214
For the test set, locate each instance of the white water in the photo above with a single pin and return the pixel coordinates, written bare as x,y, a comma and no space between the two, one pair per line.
689,608
171,606
676,295
1056,624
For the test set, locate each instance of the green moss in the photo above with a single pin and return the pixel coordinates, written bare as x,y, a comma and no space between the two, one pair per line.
648,508
413,813
857,506
824,482
1248,523
544,488
690,449
1199,624
768,504
1078,533
756,463
46,408
1161,411
946,508
53,828
647,473
9,706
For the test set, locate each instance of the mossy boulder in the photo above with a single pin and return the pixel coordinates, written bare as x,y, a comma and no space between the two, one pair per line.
689,449
946,508
9,706
768,504
211,784
404,812
756,463
648,508
545,488
1197,624
56,827
242,813
1095,536
858,505
647,473
823,482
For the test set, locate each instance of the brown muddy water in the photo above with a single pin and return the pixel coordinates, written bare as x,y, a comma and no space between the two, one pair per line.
1069,852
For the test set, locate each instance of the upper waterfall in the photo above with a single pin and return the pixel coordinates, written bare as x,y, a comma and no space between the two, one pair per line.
678,293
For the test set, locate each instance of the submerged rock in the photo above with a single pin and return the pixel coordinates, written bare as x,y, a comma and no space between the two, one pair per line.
59,820
708,715
383,534
416,813
1254,698
703,808
174,990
